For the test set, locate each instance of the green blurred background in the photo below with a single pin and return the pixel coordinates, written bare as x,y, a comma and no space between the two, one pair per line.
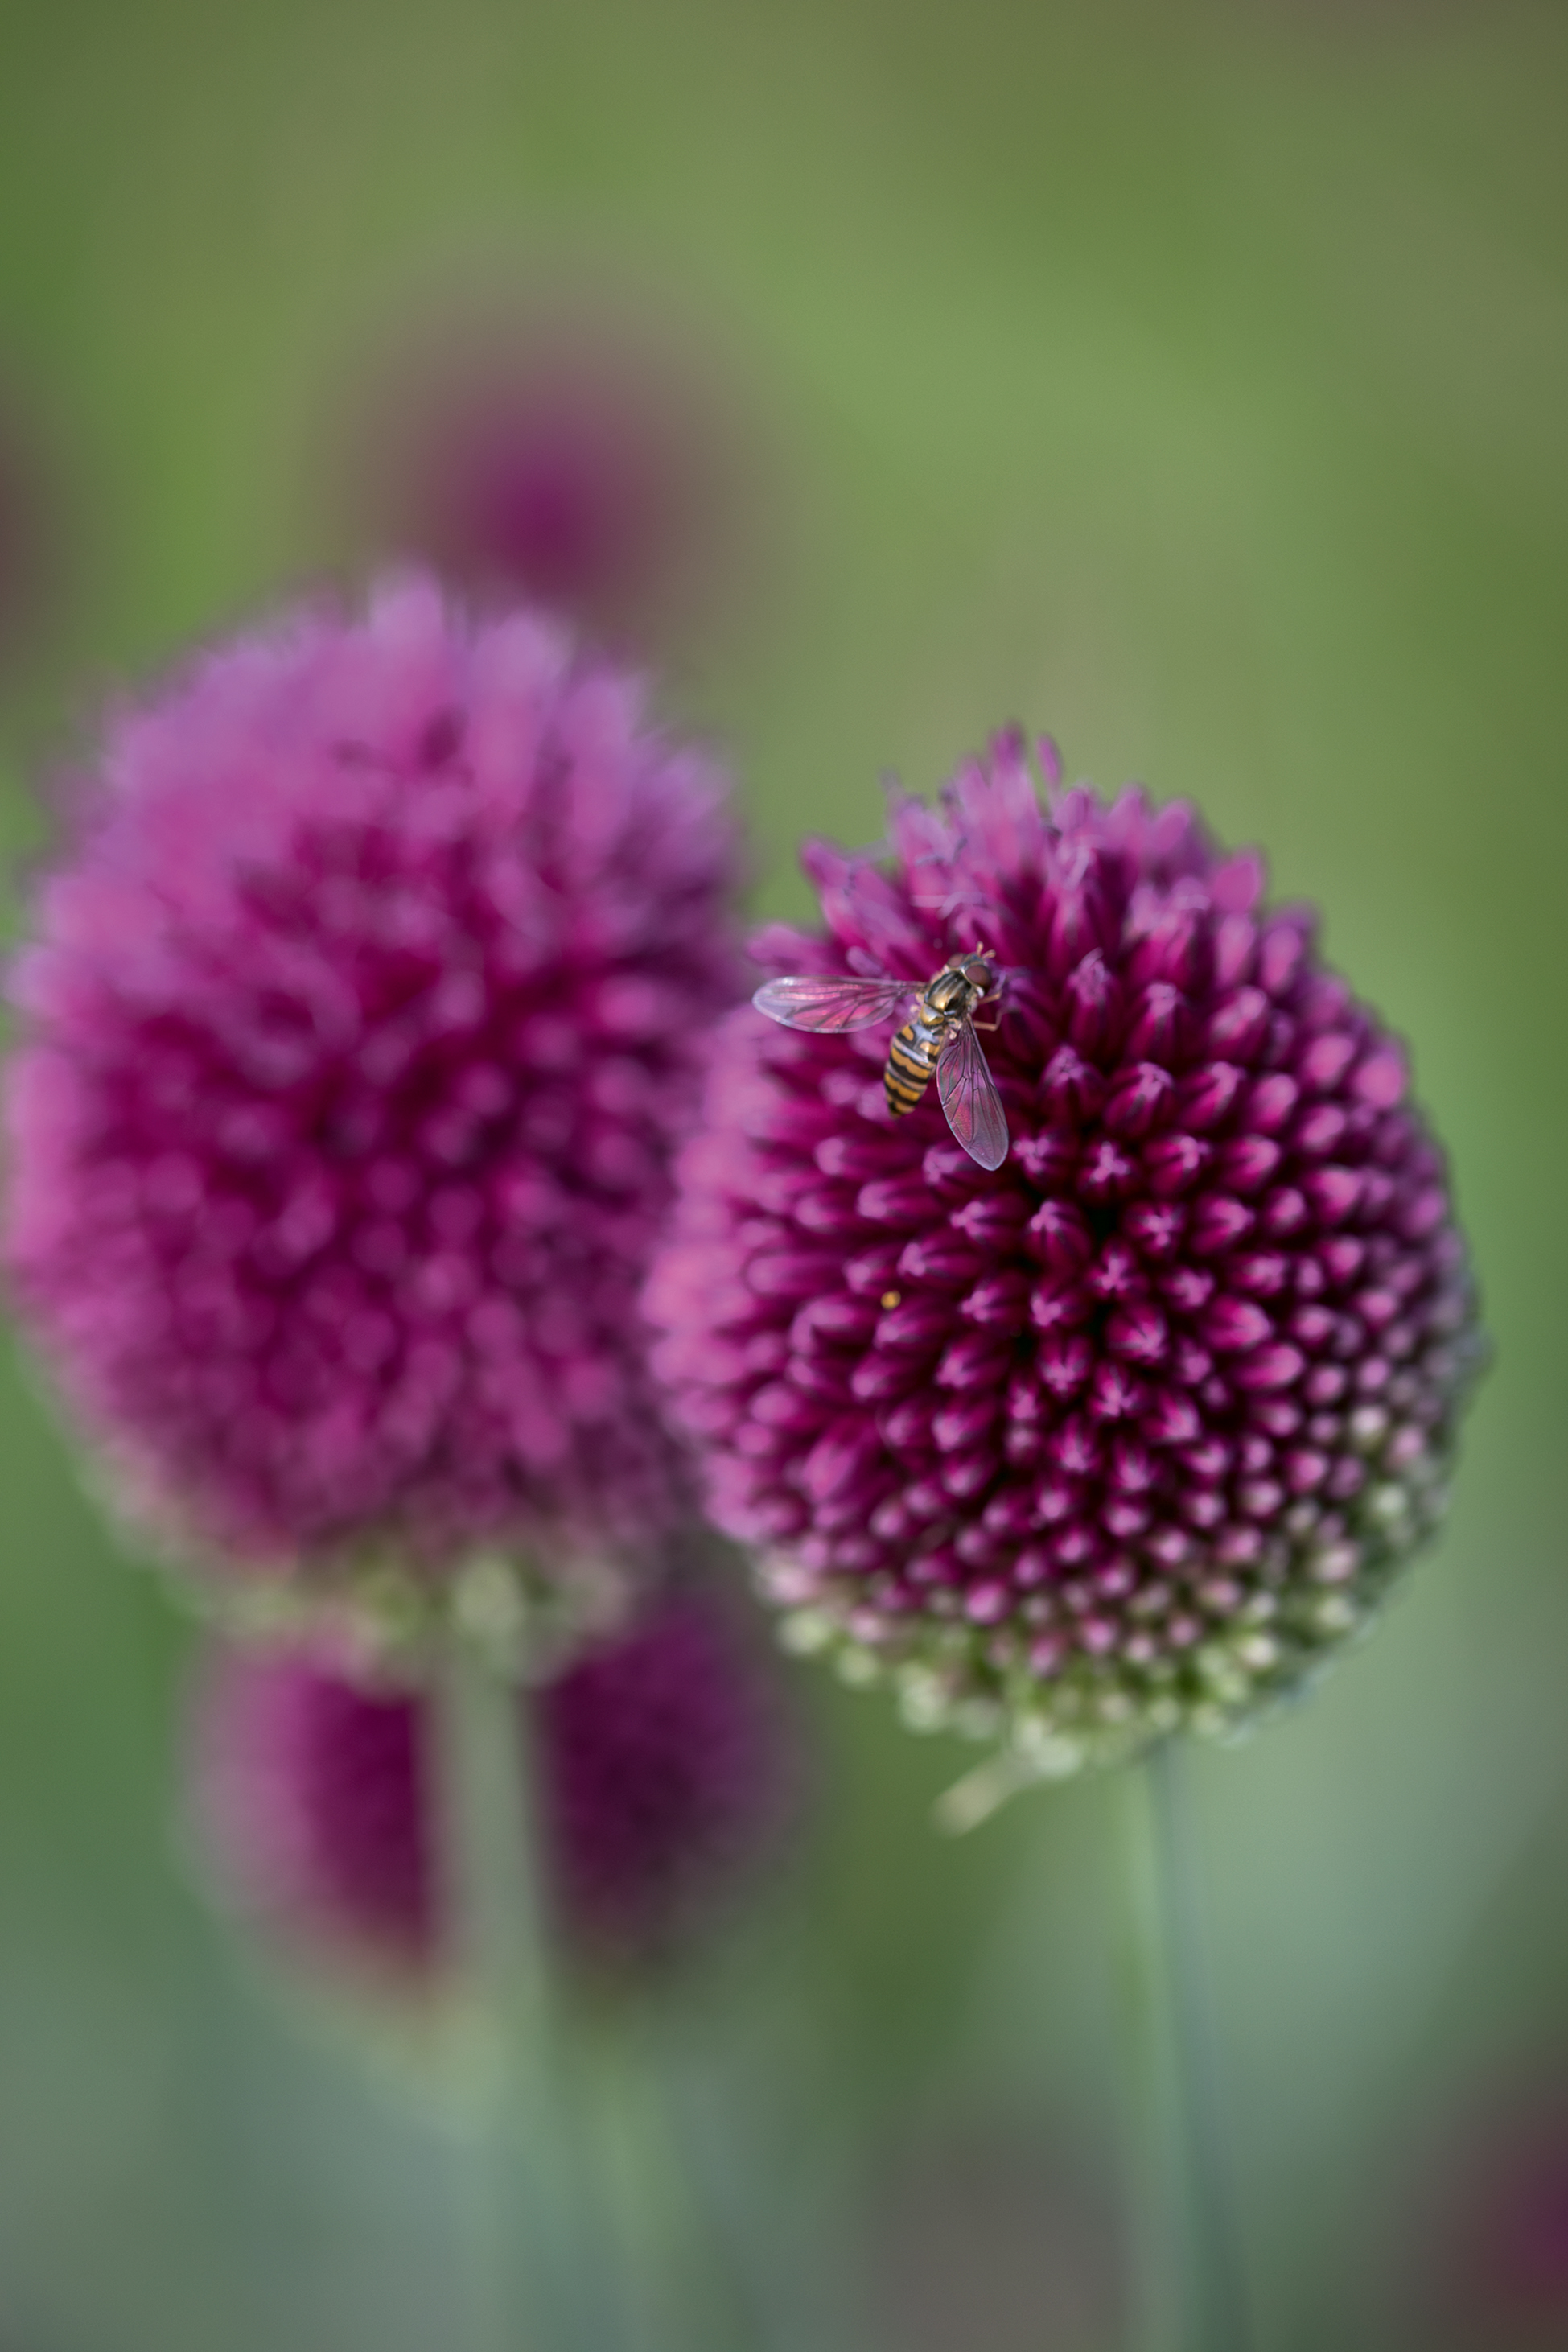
1190,380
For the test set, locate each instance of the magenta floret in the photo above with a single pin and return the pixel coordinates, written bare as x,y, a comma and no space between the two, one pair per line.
1127,1434
360,1028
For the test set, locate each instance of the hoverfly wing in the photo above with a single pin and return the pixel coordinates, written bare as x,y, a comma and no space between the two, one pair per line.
828,1003
969,1097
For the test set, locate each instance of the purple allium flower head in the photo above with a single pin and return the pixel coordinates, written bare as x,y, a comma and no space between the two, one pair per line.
307,1793
664,1771
360,1029
583,453
1124,1435
1478,2228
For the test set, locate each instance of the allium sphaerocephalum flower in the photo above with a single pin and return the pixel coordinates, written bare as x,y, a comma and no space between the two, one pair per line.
360,1028
1126,1436
1480,2227
588,454
664,1776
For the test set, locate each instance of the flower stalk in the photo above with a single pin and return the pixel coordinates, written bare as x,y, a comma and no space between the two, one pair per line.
524,2221
683,2288
1186,2292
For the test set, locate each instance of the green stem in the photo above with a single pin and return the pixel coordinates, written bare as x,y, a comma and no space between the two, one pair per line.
683,2293
1186,2284
661,2238
528,2277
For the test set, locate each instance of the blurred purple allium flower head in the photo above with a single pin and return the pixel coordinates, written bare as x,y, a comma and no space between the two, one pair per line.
1124,1436
590,454
360,1028
1476,2220
665,1774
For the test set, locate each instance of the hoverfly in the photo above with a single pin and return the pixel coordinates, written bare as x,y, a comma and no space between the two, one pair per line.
938,1041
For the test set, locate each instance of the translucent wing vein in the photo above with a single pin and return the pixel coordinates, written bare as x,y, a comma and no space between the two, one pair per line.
969,1097
829,1003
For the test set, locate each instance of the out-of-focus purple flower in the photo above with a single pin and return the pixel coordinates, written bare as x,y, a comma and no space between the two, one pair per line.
308,1793
1512,2253
1124,1435
360,1029
585,455
664,1771
1481,2243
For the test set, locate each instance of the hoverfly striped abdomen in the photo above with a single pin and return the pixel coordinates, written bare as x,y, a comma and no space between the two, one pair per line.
913,1056
912,1060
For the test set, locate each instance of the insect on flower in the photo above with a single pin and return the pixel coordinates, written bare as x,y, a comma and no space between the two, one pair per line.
938,1040
1127,1436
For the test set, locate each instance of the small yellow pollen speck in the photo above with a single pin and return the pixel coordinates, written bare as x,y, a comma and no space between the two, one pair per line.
891,1297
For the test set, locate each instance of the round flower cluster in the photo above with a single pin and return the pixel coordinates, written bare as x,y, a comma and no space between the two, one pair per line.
585,455
662,1767
360,1029
1124,1435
